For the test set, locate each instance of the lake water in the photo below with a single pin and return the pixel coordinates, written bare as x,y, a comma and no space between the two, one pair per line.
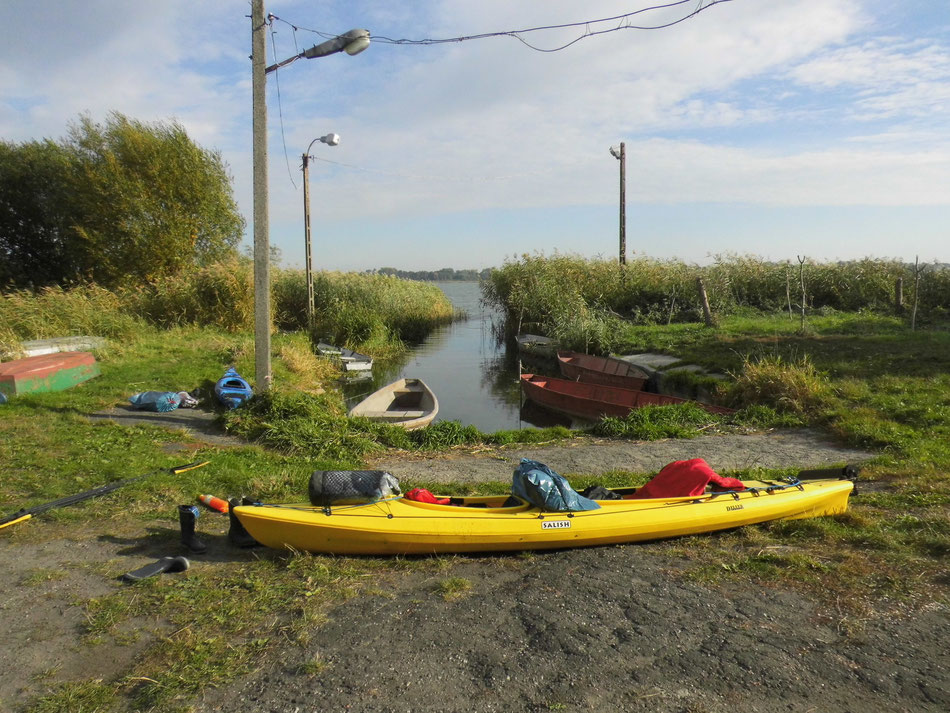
474,377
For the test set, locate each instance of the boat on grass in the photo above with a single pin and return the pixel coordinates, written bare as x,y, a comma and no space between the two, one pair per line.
608,371
594,401
232,389
46,372
407,402
400,526
350,360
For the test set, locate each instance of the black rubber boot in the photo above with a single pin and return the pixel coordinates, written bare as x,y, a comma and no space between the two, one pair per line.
188,517
165,564
237,534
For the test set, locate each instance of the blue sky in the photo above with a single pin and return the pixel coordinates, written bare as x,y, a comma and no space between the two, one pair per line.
766,128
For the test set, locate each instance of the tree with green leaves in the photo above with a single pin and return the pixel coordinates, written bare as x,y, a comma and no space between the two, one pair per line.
117,203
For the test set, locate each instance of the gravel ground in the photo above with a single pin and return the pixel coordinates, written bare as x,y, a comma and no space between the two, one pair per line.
601,629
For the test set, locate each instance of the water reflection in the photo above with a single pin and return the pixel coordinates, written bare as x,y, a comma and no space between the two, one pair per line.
473,375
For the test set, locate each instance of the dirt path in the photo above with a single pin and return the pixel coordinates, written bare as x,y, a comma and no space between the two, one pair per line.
800,448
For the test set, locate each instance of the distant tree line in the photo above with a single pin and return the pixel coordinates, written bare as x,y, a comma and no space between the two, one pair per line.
118,203
444,275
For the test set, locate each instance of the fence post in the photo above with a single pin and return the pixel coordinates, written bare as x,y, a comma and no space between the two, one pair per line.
899,295
704,299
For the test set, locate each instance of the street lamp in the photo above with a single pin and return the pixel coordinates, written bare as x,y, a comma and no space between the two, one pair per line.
329,140
620,154
352,42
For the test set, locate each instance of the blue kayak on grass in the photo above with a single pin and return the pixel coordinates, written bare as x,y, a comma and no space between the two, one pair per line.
232,390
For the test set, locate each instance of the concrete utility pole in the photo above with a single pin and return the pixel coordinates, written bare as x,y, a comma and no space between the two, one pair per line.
352,42
262,372
621,155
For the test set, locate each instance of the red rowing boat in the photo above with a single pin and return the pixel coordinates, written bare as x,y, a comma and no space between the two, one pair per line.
594,401
608,371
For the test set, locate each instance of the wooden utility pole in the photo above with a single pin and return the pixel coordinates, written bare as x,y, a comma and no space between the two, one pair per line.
308,264
623,204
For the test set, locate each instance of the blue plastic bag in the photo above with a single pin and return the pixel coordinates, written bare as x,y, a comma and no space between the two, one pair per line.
156,400
546,489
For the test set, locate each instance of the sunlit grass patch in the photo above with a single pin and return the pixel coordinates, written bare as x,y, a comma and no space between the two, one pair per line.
652,423
790,386
453,588
87,695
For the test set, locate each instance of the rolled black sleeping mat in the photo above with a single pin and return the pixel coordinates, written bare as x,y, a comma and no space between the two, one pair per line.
848,472
329,487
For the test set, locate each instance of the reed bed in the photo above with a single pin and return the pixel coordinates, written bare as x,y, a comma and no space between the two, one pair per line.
580,302
365,309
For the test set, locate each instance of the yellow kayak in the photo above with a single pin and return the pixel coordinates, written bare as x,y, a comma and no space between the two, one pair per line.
399,526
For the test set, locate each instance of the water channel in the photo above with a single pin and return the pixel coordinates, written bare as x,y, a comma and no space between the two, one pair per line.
474,377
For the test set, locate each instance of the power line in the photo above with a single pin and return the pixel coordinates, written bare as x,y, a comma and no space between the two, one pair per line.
280,107
422,177
623,23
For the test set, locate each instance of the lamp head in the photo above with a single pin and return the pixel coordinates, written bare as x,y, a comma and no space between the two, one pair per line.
615,151
331,139
352,42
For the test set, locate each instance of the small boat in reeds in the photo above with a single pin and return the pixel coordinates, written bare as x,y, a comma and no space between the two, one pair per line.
350,360
407,402
594,401
608,371
534,345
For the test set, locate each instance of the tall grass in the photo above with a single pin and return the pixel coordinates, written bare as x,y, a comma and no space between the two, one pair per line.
56,312
218,295
371,312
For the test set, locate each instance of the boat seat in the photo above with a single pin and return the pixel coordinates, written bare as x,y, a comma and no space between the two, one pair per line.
393,414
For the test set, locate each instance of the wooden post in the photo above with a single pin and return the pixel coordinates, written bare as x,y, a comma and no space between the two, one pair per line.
899,295
801,279
788,292
918,269
704,299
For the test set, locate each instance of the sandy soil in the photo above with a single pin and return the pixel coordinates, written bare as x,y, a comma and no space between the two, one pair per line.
602,629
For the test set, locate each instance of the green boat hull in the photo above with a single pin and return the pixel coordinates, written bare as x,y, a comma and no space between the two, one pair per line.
48,372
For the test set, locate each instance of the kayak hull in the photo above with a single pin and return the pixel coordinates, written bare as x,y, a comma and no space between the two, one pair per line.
403,527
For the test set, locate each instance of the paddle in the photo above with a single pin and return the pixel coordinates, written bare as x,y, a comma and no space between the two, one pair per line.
27,513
